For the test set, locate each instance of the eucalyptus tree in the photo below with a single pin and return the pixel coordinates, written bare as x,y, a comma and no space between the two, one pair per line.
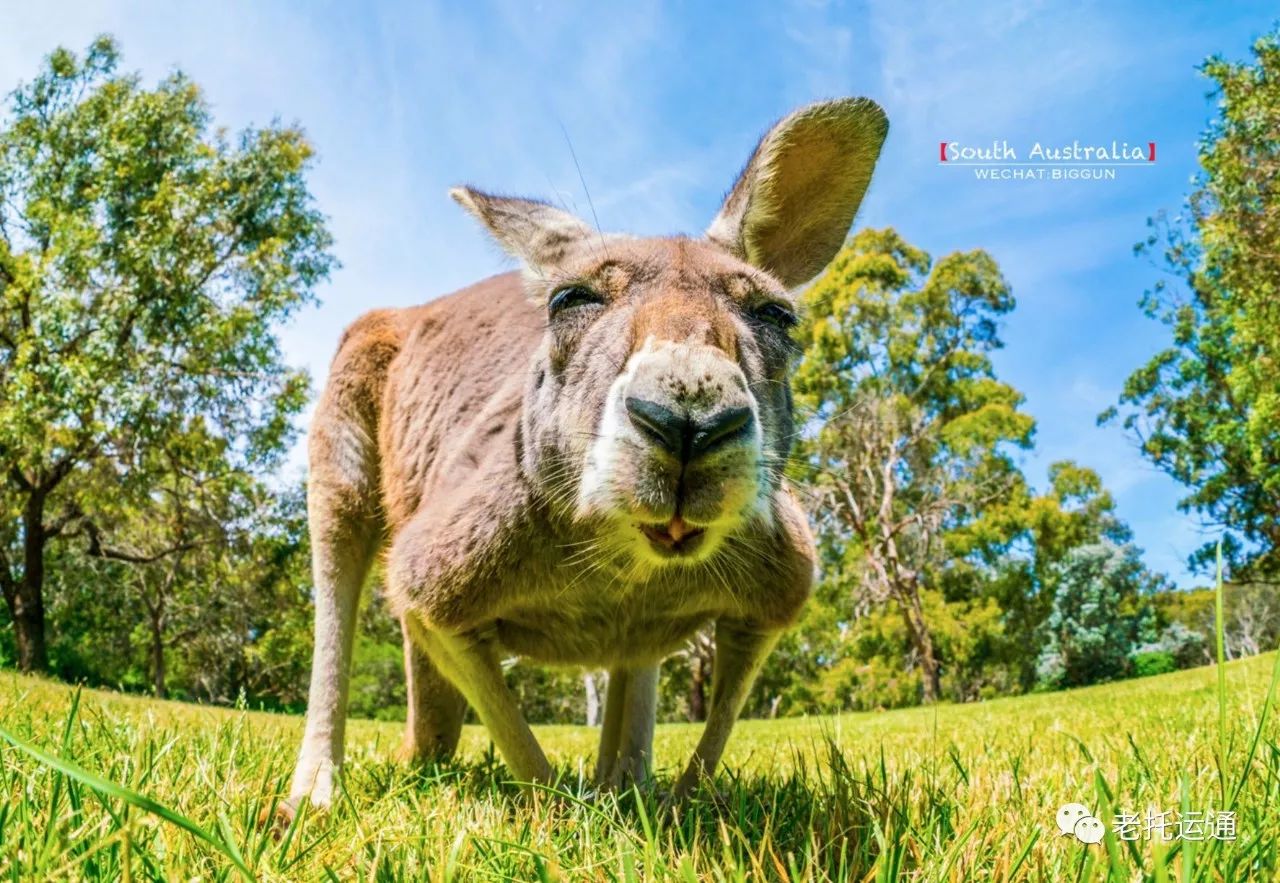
147,259
1206,408
911,433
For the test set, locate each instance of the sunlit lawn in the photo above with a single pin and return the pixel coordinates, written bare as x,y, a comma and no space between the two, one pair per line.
961,793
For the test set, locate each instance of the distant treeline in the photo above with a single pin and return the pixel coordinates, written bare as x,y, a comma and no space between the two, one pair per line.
148,261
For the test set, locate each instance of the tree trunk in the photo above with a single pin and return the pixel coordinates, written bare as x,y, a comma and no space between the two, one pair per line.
157,657
593,697
700,663
697,691
27,608
929,669
922,642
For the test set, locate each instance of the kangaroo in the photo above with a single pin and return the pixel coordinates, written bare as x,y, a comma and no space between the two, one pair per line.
580,462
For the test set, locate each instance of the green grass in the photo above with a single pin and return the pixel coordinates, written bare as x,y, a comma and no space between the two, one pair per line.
961,793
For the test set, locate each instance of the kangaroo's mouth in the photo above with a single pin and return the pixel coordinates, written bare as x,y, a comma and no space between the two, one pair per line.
673,539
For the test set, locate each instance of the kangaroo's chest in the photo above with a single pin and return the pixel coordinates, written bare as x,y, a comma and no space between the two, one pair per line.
603,618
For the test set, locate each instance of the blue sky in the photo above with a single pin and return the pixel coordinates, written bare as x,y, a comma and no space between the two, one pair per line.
662,104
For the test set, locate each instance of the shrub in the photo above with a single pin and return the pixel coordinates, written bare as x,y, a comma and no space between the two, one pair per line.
1155,662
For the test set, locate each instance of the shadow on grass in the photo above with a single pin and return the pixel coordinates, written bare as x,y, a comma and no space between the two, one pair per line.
825,820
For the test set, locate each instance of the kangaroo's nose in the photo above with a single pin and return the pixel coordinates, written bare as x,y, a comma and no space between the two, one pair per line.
720,427
681,436
659,424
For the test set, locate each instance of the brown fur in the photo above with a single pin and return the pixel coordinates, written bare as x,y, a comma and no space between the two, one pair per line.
483,443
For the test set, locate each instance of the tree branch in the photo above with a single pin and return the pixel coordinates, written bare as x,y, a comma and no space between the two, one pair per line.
97,550
20,479
56,527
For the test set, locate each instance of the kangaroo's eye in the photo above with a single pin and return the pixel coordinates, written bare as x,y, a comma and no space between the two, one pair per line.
572,296
776,314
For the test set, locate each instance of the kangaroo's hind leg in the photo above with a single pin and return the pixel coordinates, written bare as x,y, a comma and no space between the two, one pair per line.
346,527
342,549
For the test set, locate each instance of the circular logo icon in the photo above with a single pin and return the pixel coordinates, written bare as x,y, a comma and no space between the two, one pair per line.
1069,814
1089,830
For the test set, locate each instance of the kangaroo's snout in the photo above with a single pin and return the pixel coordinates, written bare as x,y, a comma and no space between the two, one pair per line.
677,456
689,401
680,434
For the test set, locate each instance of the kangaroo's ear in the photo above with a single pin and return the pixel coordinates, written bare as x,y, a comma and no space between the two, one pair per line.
537,233
791,208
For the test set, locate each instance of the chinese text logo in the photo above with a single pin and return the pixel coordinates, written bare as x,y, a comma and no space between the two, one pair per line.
1078,821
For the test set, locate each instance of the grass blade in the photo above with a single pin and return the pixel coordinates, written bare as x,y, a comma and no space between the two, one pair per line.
1219,627
133,798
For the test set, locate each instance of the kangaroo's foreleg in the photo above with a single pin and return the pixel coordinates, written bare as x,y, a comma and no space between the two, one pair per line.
740,652
470,660
436,708
611,725
626,737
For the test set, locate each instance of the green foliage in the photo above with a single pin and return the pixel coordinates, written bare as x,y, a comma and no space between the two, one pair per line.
1187,646
232,617
1153,662
146,262
1206,408
1088,635
938,555
1016,545
377,679
1251,620
1176,647
549,695
377,689
913,430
